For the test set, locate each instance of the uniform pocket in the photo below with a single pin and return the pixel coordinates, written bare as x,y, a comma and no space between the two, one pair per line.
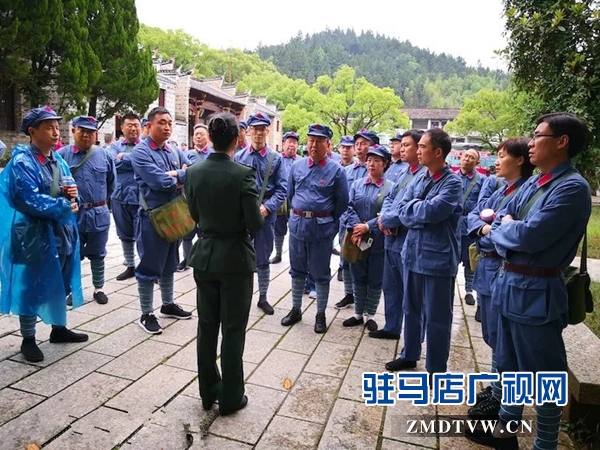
101,218
527,298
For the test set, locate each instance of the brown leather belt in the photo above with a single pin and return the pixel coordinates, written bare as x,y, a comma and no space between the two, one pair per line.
311,214
93,205
492,255
545,272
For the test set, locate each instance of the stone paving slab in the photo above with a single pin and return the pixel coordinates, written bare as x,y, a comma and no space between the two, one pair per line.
129,390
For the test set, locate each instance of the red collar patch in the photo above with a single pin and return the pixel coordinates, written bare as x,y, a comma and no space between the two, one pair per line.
321,163
437,176
544,179
41,158
510,189
262,152
415,169
378,183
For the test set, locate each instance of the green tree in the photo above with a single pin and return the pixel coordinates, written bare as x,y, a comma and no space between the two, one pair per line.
45,47
128,80
349,103
492,115
553,51
296,118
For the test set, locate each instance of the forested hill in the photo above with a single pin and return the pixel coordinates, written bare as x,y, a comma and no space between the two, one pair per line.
421,78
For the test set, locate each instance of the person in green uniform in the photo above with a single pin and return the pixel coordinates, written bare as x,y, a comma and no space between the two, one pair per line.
223,201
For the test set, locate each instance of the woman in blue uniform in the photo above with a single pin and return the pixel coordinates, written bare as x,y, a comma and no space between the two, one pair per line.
514,168
366,199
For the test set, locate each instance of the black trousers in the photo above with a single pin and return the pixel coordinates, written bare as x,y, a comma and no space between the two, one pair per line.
223,301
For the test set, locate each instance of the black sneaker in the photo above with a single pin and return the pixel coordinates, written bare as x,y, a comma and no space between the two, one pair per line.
127,274
371,325
294,316
382,334
340,275
483,394
174,311
62,335
149,324
400,364
353,321
469,299
69,300
264,305
487,409
276,259
101,298
478,314
30,351
320,323
345,302
182,266
335,251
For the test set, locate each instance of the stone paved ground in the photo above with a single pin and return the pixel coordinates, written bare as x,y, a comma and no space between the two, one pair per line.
126,389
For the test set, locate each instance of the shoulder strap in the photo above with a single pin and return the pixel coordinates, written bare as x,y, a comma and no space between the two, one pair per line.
381,196
507,198
583,260
541,192
404,182
266,178
470,188
87,156
55,177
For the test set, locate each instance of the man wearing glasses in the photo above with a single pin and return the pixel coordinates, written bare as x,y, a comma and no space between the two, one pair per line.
270,173
125,199
93,169
537,235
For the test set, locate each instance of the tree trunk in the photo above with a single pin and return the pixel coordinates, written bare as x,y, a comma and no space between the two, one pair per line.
92,109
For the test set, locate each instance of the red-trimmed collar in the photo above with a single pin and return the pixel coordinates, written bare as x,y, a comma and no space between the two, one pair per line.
436,176
511,188
42,158
545,179
294,156
469,175
321,163
76,150
154,146
124,142
359,164
378,183
261,152
203,150
414,169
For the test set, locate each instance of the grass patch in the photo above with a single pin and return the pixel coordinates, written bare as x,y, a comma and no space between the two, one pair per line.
593,320
593,235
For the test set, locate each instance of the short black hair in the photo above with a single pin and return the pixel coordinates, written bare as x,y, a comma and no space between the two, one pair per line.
517,147
564,123
223,129
157,111
130,116
440,139
415,134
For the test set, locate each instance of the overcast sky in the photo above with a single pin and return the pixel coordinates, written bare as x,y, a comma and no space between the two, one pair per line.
468,28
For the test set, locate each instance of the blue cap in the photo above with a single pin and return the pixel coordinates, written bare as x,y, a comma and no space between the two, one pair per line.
258,120
144,122
243,125
291,134
36,115
347,141
368,135
87,122
317,129
398,137
380,150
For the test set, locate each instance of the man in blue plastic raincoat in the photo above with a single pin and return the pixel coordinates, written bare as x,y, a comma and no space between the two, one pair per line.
39,254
